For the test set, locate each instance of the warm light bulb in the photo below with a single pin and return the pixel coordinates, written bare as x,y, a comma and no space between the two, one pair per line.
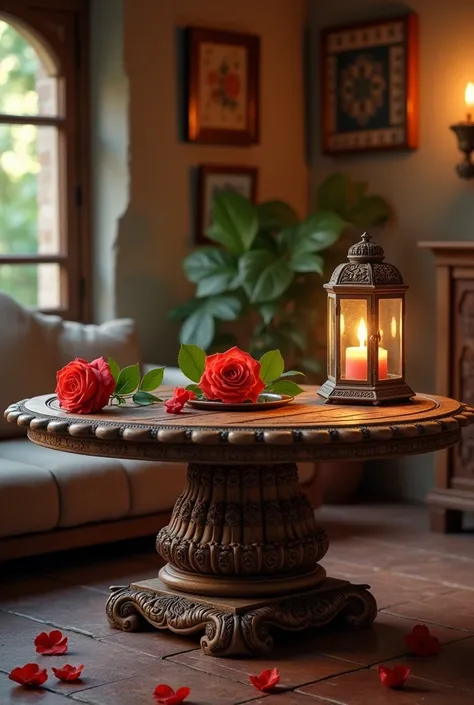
393,327
343,324
362,333
469,95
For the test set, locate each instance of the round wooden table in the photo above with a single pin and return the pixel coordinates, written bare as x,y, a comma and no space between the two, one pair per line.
243,547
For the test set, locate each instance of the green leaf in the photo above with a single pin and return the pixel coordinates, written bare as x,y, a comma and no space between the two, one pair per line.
144,398
285,386
114,368
292,373
272,366
234,222
318,232
198,330
274,215
152,379
332,193
182,311
213,269
307,263
268,311
371,210
192,361
264,276
128,380
225,308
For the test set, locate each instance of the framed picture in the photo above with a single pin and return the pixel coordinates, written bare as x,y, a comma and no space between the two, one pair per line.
370,86
223,87
215,178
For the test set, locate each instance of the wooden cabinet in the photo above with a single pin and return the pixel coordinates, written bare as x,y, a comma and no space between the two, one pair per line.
453,493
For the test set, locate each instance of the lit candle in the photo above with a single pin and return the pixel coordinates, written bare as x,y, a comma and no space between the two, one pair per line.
356,357
469,99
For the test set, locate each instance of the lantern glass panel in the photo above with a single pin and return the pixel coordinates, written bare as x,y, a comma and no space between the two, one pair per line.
353,332
390,345
331,337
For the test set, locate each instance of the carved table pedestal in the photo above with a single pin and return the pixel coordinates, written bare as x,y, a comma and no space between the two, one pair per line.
243,547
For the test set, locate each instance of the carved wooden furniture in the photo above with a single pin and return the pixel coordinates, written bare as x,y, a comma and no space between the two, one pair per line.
453,493
243,547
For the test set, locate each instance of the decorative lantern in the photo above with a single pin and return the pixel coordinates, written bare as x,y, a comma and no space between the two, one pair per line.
366,347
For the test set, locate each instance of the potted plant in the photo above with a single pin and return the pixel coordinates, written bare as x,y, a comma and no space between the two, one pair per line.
258,286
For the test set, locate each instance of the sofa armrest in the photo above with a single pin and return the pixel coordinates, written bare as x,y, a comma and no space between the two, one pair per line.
172,377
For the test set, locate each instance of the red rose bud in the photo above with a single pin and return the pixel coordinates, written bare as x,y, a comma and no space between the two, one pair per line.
395,677
68,673
231,377
53,643
421,642
83,387
266,680
30,675
180,396
165,695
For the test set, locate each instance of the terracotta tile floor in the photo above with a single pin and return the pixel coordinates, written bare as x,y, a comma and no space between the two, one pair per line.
416,577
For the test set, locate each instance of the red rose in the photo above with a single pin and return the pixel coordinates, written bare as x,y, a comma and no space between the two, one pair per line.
30,675
83,387
68,673
267,679
178,400
232,85
421,642
53,643
395,677
232,377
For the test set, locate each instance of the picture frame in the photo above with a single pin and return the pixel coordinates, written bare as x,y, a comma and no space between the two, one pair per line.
369,86
218,177
222,87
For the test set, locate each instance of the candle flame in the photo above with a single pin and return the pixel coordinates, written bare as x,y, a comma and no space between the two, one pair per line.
343,324
393,327
362,333
469,94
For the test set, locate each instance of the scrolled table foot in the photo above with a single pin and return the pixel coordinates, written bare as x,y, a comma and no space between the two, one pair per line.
124,610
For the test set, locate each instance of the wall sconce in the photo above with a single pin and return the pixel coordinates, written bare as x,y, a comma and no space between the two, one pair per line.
464,131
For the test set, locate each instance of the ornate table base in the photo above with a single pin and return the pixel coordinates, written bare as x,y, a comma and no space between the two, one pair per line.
243,552
236,626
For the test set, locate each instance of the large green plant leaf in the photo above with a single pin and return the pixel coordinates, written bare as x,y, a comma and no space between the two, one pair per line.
198,329
268,311
213,269
182,311
226,308
234,222
274,215
370,210
318,232
264,276
307,262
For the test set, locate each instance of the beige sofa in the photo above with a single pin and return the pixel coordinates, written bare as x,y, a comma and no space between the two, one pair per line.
51,500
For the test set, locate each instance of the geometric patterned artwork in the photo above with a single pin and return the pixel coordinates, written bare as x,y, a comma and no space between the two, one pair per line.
369,86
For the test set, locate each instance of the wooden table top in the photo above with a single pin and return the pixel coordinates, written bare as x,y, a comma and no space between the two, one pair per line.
305,430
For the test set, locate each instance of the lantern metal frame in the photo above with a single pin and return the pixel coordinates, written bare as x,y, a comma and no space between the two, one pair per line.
365,277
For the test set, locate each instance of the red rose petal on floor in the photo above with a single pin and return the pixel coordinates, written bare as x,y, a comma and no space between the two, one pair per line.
421,642
165,695
50,644
30,675
68,673
267,679
395,677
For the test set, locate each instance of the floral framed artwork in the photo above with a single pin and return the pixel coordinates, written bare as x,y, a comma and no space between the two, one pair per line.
223,87
214,178
370,86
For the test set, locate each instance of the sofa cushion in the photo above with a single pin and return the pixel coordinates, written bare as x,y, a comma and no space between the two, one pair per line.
29,498
34,347
154,487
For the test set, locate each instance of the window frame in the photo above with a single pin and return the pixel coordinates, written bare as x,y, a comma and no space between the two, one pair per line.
62,26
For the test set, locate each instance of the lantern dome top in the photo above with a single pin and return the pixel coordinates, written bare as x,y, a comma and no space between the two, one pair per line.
366,267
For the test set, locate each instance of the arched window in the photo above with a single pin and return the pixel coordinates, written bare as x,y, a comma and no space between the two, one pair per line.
42,161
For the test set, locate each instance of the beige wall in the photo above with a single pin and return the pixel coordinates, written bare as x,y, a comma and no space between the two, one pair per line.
155,232
430,200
